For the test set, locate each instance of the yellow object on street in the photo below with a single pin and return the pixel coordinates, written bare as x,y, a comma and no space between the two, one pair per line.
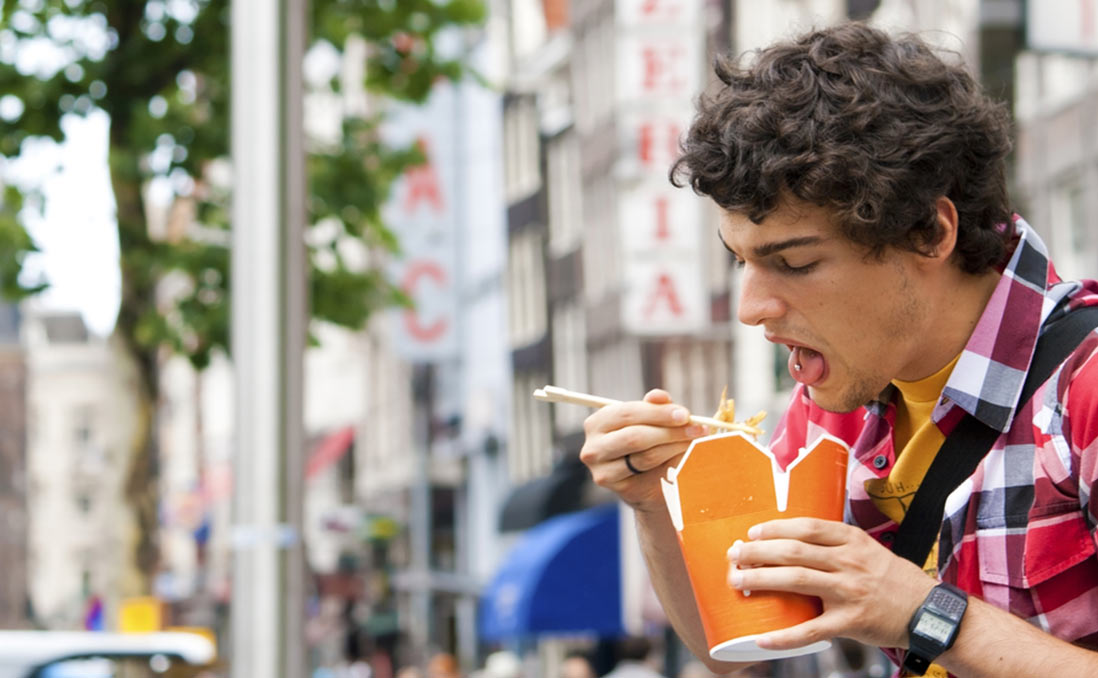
142,614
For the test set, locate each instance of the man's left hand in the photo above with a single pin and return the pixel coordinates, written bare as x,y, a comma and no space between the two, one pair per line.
868,593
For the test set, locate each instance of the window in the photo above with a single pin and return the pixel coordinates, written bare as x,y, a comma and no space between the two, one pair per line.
564,193
696,371
569,362
594,57
581,76
718,261
1072,249
602,58
530,454
83,426
520,144
601,247
616,370
526,300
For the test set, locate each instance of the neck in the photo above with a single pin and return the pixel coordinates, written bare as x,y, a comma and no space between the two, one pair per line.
953,316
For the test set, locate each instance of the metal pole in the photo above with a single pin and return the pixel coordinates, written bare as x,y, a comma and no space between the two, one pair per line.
466,602
268,336
419,623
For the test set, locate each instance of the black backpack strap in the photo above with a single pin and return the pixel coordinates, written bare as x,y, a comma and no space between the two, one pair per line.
971,440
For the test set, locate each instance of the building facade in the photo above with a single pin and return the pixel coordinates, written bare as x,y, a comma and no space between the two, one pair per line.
1056,178
615,282
613,285
14,608
79,421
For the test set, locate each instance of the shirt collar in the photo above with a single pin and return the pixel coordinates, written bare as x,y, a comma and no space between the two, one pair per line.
991,371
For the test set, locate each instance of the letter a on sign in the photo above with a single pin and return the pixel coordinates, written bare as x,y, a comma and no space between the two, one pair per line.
663,296
423,184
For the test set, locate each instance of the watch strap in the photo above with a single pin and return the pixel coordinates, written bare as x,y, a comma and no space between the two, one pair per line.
915,665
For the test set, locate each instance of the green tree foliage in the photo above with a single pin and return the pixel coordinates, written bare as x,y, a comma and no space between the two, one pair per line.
160,70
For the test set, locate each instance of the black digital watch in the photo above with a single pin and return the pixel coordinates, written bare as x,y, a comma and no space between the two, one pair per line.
934,626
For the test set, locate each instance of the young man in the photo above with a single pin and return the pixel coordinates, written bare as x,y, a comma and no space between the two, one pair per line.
862,185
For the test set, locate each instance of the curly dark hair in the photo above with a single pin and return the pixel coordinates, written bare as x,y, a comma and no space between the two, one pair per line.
873,127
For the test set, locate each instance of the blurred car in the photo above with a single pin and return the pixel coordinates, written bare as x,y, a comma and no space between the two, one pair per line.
97,654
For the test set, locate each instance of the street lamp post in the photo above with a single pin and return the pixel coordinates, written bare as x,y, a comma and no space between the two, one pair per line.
269,319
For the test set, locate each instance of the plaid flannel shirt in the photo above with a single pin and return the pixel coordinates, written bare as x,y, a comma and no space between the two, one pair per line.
1020,532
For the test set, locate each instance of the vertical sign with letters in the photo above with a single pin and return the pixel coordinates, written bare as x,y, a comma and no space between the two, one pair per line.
660,60
422,213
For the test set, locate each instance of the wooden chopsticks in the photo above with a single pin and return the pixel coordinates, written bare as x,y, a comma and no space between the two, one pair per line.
555,394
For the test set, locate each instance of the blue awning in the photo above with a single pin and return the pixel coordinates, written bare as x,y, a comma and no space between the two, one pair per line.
563,576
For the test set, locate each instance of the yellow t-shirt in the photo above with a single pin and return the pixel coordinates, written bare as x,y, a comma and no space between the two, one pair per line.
916,440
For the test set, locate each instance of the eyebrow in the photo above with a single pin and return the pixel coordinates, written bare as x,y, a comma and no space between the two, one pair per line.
772,247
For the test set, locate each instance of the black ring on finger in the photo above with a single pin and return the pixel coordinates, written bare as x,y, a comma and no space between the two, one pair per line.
634,469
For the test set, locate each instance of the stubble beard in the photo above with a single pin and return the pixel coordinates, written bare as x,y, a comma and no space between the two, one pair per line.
865,385
861,389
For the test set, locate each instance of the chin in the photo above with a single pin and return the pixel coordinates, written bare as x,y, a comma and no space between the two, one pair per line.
839,403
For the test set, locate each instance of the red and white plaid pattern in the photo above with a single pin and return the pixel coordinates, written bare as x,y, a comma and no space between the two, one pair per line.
1020,532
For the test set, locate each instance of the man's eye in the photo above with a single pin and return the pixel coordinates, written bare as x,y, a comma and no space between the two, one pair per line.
786,267
739,263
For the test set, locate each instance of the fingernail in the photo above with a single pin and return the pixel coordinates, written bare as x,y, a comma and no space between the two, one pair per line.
754,532
737,581
734,551
735,578
695,430
679,415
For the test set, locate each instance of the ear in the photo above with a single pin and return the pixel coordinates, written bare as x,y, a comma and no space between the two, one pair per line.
946,216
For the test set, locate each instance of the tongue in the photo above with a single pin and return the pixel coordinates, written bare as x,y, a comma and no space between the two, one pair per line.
812,365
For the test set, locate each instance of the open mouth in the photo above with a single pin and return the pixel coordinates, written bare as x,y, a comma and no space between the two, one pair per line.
806,365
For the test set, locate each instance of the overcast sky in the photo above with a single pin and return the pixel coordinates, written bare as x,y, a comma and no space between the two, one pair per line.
77,233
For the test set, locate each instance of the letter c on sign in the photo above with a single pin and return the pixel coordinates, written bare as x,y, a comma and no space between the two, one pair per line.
413,275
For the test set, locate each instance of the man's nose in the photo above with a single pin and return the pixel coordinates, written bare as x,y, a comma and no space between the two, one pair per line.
758,299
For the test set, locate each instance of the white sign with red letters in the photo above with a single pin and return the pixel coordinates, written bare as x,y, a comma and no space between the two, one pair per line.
661,244
660,48
659,68
657,13
1069,26
422,213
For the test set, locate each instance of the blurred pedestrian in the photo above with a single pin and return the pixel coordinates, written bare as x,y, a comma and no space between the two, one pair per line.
577,665
632,654
355,667
409,671
696,669
502,664
443,665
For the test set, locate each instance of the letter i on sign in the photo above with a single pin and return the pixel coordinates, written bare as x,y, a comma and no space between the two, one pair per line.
663,225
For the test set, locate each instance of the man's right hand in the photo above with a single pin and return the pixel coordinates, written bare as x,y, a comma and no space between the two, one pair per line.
653,433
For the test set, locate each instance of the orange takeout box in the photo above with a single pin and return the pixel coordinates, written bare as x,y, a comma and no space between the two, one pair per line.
723,485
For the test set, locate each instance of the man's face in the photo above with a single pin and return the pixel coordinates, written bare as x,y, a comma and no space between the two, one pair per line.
852,322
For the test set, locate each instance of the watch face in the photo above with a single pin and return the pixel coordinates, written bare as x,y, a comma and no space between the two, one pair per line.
934,627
